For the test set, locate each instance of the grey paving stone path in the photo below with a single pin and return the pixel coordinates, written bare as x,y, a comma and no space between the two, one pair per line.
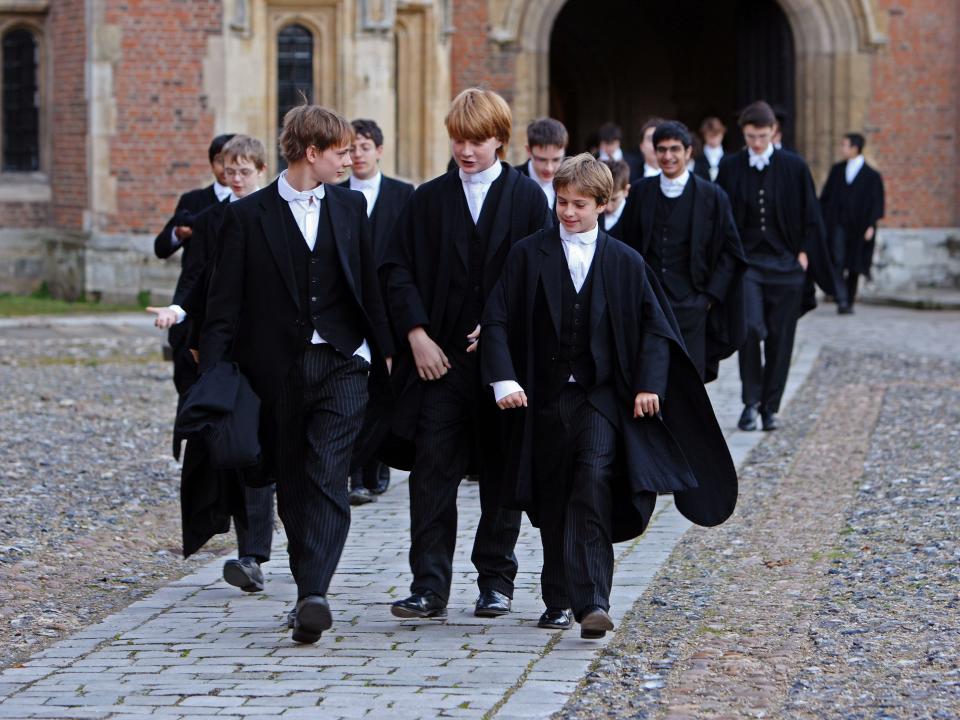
198,647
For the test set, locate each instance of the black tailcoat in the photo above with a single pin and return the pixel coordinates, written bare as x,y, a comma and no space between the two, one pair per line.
429,246
682,451
798,211
189,204
523,168
701,167
253,313
391,199
717,260
857,207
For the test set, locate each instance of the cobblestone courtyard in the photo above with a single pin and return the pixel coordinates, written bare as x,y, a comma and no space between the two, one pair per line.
833,592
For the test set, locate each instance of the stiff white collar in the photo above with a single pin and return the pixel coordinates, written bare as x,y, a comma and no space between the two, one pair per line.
221,191
760,160
484,177
372,183
588,237
674,188
288,193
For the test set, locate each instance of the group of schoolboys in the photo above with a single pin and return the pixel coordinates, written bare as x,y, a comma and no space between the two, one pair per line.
548,328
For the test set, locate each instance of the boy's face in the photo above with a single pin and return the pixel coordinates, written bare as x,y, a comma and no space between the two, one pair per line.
758,138
473,156
646,147
672,157
242,175
330,165
609,147
577,212
546,159
713,139
365,155
216,167
616,200
848,151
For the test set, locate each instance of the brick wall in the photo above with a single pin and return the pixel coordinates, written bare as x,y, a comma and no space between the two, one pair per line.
913,121
474,59
24,214
163,123
67,44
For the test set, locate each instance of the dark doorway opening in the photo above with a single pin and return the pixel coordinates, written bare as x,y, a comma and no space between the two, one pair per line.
627,60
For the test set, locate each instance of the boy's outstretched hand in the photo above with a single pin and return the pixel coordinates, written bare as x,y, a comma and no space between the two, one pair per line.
645,405
513,400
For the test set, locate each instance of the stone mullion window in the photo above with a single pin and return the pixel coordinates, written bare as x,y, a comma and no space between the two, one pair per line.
20,101
294,71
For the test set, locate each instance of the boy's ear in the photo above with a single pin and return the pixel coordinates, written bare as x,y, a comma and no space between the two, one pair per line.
627,190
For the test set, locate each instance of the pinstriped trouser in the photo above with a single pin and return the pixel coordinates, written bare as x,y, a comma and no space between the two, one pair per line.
575,452
319,414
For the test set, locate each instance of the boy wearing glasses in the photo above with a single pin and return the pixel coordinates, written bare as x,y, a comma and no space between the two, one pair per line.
683,226
546,147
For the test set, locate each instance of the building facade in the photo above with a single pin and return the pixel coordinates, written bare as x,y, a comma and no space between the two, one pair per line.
108,105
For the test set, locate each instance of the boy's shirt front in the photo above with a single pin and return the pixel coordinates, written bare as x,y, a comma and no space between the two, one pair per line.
477,185
369,187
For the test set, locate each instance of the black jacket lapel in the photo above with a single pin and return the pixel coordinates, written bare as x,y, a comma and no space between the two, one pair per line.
598,295
648,210
550,269
274,231
342,237
500,229
452,222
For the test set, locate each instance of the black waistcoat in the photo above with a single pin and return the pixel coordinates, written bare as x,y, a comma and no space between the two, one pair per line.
669,251
467,287
326,303
761,227
557,358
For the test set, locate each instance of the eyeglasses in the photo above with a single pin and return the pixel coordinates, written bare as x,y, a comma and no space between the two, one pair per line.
242,172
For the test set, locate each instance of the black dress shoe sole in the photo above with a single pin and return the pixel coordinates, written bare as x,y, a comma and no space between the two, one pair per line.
409,613
311,621
555,625
236,575
490,612
595,625
359,499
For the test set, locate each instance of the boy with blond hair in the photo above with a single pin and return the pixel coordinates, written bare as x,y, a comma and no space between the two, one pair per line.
579,344
446,254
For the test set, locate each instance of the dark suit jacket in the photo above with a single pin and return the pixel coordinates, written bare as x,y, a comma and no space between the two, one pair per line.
717,260
431,245
683,451
189,204
701,167
861,203
393,195
634,161
253,315
797,209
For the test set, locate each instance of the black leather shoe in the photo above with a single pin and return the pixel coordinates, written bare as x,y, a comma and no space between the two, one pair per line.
748,418
491,604
771,421
244,573
595,623
844,310
383,480
420,605
291,618
361,496
555,619
312,618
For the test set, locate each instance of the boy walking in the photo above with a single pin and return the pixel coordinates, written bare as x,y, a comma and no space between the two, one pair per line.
447,253
546,147
579,344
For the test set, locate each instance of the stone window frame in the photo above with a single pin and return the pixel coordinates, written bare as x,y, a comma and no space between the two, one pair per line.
30,185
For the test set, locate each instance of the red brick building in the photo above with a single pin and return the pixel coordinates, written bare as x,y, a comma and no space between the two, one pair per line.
108,105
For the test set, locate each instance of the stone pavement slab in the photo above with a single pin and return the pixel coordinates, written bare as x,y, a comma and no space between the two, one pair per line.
197,647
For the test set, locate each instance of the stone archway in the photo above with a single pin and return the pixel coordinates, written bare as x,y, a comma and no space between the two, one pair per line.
834,41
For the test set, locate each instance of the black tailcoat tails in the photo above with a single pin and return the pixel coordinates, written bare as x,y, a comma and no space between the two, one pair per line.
855,208
717,260
682,451
798,211
425,252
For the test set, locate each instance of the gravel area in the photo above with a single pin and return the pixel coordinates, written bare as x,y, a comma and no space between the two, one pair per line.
833,592
89,509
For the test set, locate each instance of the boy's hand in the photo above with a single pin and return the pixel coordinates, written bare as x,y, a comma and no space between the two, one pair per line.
868,235
473,337
166,318
803,260
195,354
183,232
431,363
646,405
513,400
389,362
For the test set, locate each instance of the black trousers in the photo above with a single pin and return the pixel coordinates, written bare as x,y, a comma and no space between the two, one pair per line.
254,527
772,309
852,282
841,256
691,315
458,427
319,415
575,452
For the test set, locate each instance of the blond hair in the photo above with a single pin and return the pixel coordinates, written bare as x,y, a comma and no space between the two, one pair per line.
585,175
306,125
245,148
479,115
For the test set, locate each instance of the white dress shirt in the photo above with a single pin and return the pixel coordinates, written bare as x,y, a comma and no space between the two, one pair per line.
713,155
477,185
760,160
674,188
612,218
545,185
617,155
854,166
579,249
370,189
650,171
305,206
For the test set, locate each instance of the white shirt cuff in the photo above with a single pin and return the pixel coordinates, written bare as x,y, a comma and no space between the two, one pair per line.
502,388
181,313
173,237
